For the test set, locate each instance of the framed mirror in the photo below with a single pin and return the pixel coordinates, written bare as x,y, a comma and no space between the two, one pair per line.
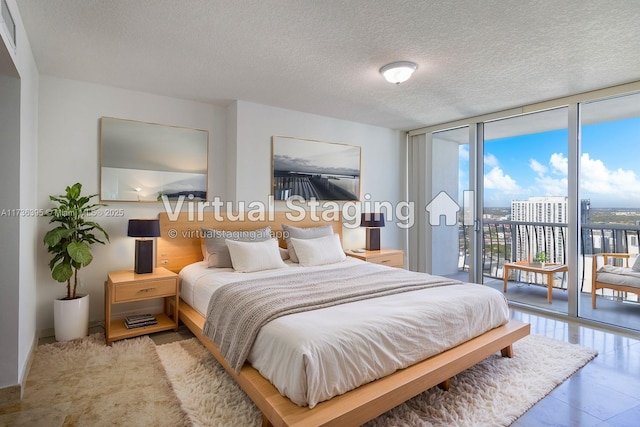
141,162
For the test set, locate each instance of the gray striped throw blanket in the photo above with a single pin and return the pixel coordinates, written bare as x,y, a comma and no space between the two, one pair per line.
238,310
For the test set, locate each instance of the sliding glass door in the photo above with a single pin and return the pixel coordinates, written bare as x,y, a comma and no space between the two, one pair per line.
540,198
525,208
610,207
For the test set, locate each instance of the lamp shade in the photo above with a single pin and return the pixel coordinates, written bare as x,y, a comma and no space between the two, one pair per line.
143,228
372,220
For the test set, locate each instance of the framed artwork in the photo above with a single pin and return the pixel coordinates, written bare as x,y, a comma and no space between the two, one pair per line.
306,169
144,162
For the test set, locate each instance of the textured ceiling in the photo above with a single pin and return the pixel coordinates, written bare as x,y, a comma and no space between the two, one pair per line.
323,57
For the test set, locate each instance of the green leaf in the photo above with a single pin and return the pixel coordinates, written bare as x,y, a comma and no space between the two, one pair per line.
55,259
62,272
73,192
53,237
96,226
80,253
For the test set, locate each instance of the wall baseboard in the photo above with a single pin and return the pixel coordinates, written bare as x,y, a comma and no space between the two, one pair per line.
13,394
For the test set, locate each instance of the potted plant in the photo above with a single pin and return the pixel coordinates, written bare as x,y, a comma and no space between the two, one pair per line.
541,258
69,243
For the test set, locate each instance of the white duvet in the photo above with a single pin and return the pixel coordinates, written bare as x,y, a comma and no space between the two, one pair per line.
312,356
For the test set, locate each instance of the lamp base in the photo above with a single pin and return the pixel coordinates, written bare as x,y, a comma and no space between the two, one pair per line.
144,256
373,239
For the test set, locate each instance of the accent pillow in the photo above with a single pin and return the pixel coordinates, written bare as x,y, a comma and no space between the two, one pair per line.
636,265
248,257
303,233
217,252
319,251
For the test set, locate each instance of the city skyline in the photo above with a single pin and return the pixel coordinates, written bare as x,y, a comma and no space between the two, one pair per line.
536,165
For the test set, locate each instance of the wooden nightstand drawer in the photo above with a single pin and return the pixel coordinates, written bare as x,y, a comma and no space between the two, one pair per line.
390,257
144,290
392,260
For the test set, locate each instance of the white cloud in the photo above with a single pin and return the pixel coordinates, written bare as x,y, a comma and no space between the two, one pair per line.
559,164
597,179
497,180
490,160
537,167
550,186
612,186
463,152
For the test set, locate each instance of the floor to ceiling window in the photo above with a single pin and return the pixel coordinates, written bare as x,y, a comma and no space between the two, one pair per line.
525,208
558,185
610,201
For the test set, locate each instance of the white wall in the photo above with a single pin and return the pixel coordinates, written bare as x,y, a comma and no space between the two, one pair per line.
232,148
18,295
68,152
382,157
28,198
9,225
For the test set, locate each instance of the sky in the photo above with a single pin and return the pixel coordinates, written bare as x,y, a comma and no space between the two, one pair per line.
520,167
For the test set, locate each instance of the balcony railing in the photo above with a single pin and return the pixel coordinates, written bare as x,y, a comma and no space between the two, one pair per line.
510,241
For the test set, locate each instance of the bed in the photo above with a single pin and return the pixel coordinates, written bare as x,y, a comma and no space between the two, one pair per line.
179,249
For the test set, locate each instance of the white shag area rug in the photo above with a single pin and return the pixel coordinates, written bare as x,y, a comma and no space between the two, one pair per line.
495,392
86,383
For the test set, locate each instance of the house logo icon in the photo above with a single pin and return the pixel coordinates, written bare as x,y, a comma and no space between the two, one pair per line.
443,205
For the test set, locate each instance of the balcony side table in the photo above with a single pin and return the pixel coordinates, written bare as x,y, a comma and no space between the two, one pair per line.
547,269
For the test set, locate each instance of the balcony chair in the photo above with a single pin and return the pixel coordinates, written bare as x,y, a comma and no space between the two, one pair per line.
622,279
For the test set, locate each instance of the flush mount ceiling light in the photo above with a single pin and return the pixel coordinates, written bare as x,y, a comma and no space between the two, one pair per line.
398,72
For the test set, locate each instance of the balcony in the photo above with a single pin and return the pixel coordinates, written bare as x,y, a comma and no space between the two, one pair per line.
510,241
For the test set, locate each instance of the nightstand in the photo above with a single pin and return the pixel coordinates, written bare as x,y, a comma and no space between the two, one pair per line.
390,257
126,286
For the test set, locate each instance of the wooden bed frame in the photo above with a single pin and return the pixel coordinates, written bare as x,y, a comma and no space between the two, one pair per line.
180,245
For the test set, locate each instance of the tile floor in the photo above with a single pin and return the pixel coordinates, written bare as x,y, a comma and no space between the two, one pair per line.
605,393
609,311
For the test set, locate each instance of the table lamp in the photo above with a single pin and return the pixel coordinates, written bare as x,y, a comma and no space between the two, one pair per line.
144,247
373,222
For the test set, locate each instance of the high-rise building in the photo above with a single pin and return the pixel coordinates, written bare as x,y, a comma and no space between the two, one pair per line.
548,237
585,219
585,211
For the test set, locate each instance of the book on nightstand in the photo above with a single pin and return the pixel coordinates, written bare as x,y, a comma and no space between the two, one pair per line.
139,320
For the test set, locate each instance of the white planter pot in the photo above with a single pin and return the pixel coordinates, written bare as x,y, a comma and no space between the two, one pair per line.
71,318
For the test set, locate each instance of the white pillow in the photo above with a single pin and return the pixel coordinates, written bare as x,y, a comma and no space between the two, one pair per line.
215,251
303,233
248,257
636,265
319,251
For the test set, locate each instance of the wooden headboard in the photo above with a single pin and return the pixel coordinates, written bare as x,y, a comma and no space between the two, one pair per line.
179,243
